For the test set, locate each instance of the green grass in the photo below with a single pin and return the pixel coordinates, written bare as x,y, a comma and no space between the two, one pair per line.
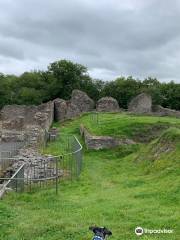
139,128
121,188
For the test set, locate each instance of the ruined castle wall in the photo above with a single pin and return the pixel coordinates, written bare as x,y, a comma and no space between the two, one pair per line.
161,111
102,142
142,103
18,117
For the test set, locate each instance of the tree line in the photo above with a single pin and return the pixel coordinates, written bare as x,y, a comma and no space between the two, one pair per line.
61,77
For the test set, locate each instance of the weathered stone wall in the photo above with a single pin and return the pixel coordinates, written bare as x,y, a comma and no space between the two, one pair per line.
12,136
161,111
101,142
72,110
48,110
79,103
36,119
60,110
142,103
65,110
82,101
32,135
107,104
18,117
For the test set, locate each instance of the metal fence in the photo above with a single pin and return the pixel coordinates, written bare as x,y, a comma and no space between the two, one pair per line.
48,170
9,149
16,182
102,118
7,152
94,117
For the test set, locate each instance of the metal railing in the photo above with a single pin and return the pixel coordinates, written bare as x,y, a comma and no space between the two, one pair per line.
94,117
6,156
72,157
48,170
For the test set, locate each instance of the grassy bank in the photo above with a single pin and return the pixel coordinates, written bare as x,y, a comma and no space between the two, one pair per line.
139,128
121,188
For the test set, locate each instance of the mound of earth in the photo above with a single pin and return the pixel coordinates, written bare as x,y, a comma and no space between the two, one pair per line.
144,133
162,153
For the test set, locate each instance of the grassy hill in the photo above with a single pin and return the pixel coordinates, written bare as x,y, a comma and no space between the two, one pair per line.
162,154
139,128
122,188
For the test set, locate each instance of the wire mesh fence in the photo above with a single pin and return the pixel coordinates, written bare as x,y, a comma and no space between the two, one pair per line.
94,117
45,171
7,152
101,118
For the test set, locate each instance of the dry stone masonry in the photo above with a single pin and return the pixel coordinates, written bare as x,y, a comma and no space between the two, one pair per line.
18,117
65,110
161,111
107,104
141,104
60,110
102,142
37,166
72,110
34,121
82,101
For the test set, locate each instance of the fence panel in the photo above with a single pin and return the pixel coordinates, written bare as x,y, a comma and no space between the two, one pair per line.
46,171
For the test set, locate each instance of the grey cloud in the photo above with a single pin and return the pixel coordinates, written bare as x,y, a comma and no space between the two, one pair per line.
111,38
9,48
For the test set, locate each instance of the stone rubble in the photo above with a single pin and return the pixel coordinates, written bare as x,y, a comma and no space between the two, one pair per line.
37,166
161,111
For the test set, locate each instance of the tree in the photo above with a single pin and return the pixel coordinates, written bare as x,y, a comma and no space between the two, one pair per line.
122,89
171,95
68,76
93,87
5,90
152,86
63,76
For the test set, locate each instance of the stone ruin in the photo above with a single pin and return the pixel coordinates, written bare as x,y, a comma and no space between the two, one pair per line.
82,101
21,124
34,121
65,110
18,117
25,128
141,104
107,104
79,103
102,142
161,111
37,166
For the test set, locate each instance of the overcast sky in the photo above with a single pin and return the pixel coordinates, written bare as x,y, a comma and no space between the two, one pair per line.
111,37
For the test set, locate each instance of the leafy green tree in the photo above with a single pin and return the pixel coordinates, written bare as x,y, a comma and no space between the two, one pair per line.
63,76
68,76
152,86
93,87
122,89
5,90
171,95
29,96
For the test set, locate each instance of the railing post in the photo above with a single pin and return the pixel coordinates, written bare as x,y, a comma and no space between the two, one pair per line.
16,183
56,175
